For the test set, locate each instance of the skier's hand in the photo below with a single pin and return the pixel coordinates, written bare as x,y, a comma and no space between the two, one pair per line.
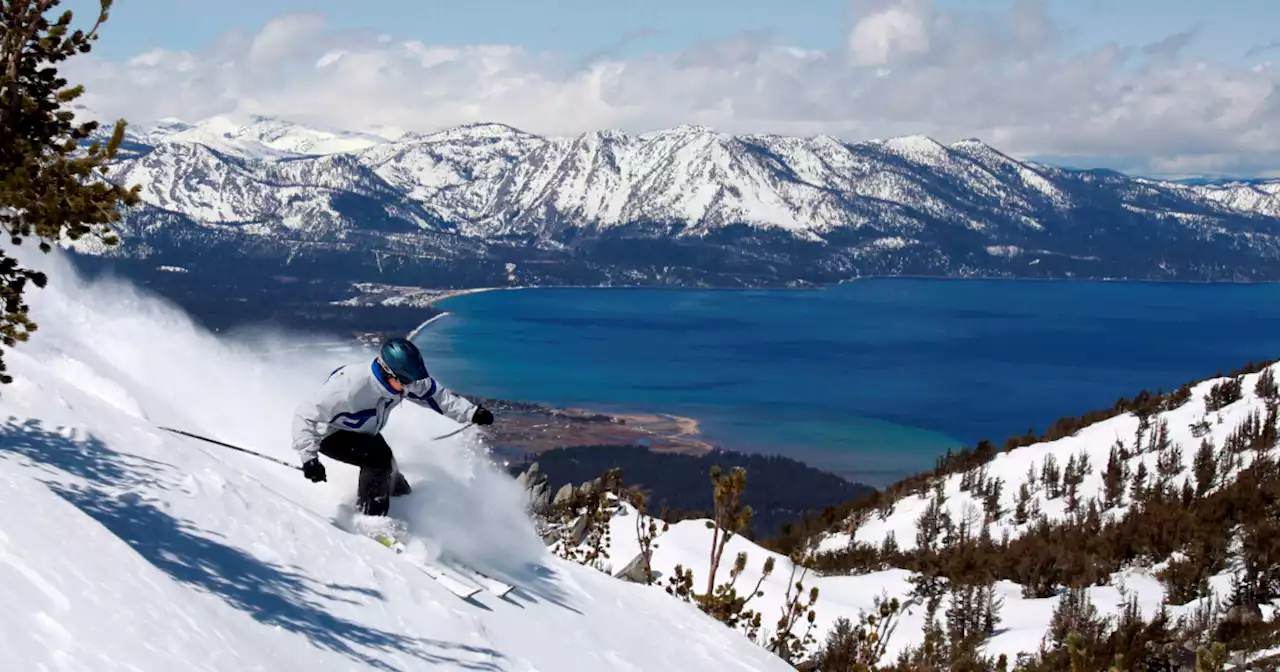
482,416
313,470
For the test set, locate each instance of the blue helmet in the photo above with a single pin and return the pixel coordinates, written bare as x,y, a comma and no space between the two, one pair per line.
400,358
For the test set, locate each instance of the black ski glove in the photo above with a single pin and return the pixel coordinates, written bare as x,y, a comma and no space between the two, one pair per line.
313,470
482,416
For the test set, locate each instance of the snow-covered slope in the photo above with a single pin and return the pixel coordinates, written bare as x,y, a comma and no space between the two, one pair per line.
1191,448
123,547
1169,451
1024,622
1259,197
753,209
258,137
1188,427
325,199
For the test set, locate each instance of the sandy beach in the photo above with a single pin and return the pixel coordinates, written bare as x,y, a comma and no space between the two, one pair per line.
668,428
377,294
533,428
666,424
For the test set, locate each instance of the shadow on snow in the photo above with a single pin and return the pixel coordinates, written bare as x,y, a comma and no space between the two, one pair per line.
271,594
89,459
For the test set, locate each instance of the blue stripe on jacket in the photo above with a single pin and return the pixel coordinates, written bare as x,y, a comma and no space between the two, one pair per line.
356,420
429,397
377,373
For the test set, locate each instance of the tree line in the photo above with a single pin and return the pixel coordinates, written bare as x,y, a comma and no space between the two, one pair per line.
782,489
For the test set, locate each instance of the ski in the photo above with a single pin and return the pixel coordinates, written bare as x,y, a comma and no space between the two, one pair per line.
444,576
495,586
456,576
451,583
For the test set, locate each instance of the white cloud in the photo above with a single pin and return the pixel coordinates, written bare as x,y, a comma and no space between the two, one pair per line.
883,36
905,67
282,39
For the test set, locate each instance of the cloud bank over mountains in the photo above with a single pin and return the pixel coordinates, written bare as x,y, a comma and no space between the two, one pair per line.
906,67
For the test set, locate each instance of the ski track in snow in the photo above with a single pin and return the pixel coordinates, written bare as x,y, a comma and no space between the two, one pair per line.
123,547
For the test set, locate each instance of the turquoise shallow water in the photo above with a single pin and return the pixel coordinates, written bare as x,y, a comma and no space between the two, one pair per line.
871,379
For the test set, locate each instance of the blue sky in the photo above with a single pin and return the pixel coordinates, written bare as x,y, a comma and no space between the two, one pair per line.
949,69
1223,31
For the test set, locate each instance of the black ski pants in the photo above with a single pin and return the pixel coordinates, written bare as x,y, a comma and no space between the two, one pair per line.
371,453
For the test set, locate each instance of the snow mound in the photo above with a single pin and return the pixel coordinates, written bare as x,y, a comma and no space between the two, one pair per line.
124,547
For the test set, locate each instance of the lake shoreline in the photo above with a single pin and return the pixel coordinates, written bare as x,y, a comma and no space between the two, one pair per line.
445,295
528,428
935,363
534,428
523,430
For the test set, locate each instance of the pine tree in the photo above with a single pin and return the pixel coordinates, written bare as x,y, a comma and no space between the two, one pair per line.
1206,468
1084,466
1020,510
1187,495
730,515
1160,438
1211,658
1223,393
646,528
840,651
1266,387
1074,614
889,548
46,189
1114,477
991,498
1139,488
930,523
1268,436
1226,463
1076,653
1072,477
785,643
1051,475
722,601
1073,497
1169,461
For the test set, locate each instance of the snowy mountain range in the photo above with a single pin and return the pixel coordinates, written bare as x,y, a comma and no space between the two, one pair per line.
491,205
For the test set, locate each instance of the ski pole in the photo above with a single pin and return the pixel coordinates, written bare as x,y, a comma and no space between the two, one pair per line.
456,431
227,445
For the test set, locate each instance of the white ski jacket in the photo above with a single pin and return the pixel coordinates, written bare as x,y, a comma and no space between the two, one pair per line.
357,399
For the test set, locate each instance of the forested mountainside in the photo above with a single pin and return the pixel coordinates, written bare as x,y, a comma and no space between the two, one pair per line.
1145,536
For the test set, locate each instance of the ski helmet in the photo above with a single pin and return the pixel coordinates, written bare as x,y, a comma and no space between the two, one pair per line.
399,357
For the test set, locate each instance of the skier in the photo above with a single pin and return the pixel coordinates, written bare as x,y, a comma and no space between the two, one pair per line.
344,420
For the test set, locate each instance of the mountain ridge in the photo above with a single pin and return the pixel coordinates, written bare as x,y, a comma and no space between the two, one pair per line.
686,206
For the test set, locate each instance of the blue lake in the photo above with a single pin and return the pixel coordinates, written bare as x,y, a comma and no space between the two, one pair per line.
871,379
